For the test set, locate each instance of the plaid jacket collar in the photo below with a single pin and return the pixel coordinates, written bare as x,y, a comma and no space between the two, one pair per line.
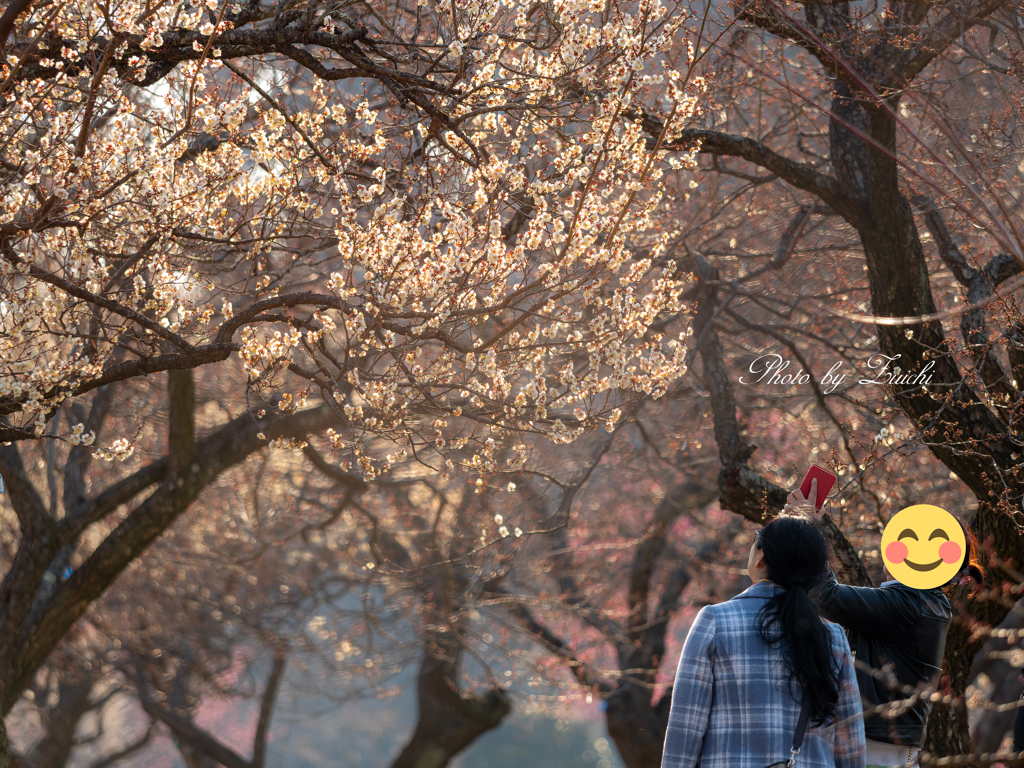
763,589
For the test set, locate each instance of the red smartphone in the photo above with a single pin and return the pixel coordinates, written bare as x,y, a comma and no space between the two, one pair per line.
825,480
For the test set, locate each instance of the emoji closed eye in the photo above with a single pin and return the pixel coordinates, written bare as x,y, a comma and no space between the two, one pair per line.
908,534
938,533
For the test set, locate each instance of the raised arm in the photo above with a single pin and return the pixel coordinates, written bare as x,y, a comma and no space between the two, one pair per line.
862,609
691,695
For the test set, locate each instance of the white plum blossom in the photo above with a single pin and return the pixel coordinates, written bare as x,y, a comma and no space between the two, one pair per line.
500,264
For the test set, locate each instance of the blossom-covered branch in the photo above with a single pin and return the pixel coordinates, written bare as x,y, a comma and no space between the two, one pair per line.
347,231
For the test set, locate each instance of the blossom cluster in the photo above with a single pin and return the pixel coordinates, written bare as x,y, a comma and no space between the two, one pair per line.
482,262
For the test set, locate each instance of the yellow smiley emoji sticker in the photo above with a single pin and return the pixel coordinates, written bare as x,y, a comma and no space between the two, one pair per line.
923,546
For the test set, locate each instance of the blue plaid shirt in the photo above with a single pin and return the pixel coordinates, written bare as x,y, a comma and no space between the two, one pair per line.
731,706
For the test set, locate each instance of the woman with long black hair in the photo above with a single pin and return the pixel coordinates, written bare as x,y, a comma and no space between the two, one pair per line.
753,667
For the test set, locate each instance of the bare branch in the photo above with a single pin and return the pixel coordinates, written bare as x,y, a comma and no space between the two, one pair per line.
800,175
185,730
130,749
259,746
581,671
980,284
936,38
743,490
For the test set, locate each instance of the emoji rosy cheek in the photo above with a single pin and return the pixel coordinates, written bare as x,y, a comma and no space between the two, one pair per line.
896,552
950,552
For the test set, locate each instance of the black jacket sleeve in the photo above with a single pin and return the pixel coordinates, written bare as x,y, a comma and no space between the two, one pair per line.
866,610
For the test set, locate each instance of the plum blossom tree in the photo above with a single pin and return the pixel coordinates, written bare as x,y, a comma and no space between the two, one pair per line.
406,213
866,134
438,227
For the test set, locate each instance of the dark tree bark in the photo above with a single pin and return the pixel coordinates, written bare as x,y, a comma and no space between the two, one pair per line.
947,412
53,749
961,430
127,751
8,758
35,613
198,747
449,720
743,490
636,723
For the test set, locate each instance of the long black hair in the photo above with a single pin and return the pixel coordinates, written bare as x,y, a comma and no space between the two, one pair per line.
795,555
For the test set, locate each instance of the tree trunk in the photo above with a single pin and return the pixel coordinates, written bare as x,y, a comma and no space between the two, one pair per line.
637,728
195,758
448,721
180,483
993,725
946,412
6,751
53,749
947,730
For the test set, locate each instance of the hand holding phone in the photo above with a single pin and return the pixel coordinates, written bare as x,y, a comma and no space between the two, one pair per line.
813,490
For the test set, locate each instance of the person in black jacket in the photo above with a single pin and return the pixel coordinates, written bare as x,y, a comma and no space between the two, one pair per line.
894,631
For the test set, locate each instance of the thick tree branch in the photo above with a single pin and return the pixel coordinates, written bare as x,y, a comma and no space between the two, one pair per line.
144,525
54,746
772,19
688,495
743,490
647,651
799,175
979,284
201,740
355,482
66,286
797,226
37,545
79,457
204,355
449,720
130,749
21,491
949,252
187,731
571,591
936,38
14,10
181,395
554,644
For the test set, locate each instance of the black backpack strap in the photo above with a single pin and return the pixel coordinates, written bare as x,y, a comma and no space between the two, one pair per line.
798,734
801,725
